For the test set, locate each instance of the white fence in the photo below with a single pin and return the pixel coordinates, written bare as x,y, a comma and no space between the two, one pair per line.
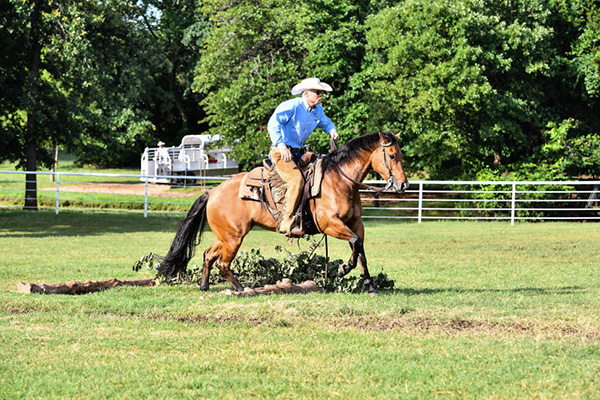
424,200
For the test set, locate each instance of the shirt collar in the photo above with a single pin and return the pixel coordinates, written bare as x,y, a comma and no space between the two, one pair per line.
306,106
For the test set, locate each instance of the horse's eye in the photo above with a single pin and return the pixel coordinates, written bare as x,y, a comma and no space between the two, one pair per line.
393,156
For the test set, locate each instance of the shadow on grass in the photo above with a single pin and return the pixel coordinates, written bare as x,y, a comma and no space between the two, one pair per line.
526,290
41,224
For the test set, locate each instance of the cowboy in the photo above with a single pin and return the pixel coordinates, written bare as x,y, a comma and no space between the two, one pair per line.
289,127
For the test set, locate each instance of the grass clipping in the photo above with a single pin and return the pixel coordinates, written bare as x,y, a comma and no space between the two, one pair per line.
253,270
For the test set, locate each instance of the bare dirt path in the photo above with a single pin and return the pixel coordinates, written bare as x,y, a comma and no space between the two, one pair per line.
153,190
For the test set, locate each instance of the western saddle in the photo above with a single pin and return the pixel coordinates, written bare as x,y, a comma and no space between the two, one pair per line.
263,184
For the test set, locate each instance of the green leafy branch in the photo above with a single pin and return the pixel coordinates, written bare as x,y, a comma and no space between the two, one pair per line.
254,270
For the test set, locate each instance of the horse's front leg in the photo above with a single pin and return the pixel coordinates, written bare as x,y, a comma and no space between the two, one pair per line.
346,268
355,238
359,250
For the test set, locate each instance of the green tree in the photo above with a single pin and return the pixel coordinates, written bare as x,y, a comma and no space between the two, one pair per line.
59,80
579,21
257,51
465,79
476,83
177,29
13,34
34,103
147,50
112,84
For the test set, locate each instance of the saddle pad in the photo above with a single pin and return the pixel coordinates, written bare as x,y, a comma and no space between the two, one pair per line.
248,192
256,177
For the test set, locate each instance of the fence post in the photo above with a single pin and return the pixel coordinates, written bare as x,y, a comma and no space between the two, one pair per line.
420,211
57,191
513,203
146,199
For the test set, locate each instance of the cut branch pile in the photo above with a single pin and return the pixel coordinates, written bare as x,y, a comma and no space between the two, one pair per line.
75,287
285,286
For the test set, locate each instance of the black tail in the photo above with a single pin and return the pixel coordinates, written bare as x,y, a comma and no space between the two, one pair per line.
182,248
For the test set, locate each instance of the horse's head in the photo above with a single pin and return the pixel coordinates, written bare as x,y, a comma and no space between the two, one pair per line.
387,162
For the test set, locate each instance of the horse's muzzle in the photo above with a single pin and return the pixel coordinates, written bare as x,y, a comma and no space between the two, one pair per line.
400,187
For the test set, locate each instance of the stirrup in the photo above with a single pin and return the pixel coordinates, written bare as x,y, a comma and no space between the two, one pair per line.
296,232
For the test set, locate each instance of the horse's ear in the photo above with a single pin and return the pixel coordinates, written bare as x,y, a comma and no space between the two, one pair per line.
384,140
398,134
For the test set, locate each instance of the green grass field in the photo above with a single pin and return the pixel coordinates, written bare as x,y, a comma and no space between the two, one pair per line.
480,310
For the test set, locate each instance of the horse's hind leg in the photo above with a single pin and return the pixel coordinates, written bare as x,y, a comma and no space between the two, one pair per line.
210,256
228,252
223,254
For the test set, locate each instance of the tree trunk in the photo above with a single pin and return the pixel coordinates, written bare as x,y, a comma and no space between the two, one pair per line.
31,202
33,108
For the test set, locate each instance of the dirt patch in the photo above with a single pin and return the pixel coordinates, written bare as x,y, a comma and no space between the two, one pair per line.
256,321
458,326
115,188
414,325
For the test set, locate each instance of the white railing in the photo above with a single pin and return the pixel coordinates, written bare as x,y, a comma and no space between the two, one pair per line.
95,186
424,200
489,200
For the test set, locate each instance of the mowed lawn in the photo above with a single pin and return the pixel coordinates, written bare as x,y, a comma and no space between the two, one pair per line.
480,310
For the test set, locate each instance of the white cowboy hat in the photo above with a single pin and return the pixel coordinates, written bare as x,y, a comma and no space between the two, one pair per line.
311,84
161,143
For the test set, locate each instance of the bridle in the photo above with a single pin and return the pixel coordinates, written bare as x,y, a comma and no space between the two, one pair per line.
390,181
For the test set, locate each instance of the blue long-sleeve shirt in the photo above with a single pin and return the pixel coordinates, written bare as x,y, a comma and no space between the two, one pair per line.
292,123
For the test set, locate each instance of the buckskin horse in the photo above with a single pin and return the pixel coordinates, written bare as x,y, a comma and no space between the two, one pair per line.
336,212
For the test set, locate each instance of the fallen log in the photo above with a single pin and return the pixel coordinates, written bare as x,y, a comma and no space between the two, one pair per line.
285,286
75,287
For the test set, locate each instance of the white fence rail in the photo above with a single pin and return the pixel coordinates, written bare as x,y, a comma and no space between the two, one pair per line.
424,200
491,200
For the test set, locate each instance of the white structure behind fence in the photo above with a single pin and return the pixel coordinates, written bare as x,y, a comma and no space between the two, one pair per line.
425,200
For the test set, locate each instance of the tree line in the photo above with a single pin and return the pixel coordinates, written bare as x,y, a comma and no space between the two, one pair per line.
480,89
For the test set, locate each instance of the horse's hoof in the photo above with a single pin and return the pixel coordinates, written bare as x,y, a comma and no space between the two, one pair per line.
373,294
204,288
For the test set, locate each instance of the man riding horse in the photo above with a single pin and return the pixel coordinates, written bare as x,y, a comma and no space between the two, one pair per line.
336,211
289,127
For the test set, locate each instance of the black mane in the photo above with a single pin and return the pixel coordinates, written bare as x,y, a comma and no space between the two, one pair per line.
353,148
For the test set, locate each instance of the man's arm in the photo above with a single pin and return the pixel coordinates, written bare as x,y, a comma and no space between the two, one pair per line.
279,118
328,126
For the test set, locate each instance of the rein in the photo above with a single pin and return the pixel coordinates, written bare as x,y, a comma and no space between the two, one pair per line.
390,180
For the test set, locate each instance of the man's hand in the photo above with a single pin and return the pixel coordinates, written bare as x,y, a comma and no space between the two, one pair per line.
286,154
334,135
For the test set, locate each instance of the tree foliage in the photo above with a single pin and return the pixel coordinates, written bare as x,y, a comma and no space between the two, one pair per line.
475,85
465,79
257,51
471,83
115,77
